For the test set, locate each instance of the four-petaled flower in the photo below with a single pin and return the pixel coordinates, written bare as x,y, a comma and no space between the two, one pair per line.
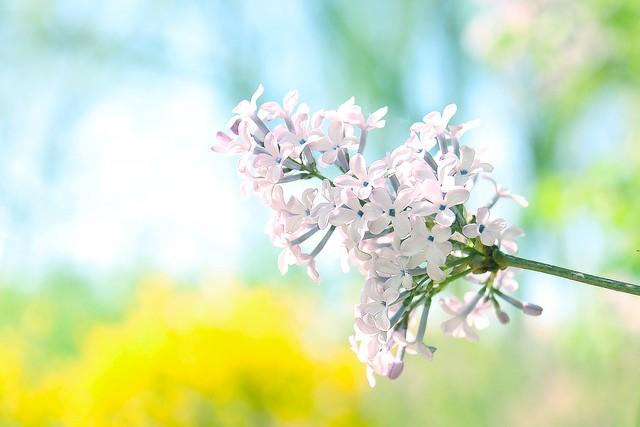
272,159
433,245
441,202
359,180
384,211
469,165
300,212
468,317
351,214
489,231
331,144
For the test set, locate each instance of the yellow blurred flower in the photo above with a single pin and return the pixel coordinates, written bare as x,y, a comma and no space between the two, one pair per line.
184,358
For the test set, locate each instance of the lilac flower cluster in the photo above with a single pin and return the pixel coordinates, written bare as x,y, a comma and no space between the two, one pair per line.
401,220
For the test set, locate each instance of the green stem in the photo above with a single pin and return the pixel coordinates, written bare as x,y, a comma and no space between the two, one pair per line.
504,260
318,175
453,277
457,261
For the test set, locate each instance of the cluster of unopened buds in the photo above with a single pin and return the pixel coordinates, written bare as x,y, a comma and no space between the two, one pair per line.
402,220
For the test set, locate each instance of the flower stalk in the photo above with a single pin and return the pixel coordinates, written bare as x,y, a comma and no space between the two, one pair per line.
504,261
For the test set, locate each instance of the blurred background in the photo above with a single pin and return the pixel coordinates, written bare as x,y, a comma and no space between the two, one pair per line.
137,288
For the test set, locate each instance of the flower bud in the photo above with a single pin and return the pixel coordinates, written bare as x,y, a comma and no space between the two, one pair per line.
395,369
502,316
531,309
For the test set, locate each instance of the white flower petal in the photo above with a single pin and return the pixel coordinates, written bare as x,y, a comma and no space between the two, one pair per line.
456,197
358,166
470,230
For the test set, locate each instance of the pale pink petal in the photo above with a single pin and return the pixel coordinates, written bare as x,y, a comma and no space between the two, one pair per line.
448,113
519,200
380,197
375,119
381,320
456,197
467,155
223,143
391,294
372,307
371,378
432,191
451,305
445,217
328,158
440,234
352,201
401,225
412,245
486,167
449,327
272,109
271,145
421,349
295,206
482,216
435,273
294,223
323,218
364,328
364,192
403,199
509,246
358,166
244,108
461,129
245,129
335,131
406,281
470,230
274,174
257,94
469,333
308,196
424,208
512,233
341,216
479,321
346,181
290,101
377,226
283,264
487,238
286,151
263,160
372,212
497,225
387,267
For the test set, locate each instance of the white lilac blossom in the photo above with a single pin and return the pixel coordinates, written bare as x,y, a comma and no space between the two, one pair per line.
403,221
487,230
359,179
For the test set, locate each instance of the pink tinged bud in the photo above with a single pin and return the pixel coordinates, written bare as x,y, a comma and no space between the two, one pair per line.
502,316
235,126
531,309
396,368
